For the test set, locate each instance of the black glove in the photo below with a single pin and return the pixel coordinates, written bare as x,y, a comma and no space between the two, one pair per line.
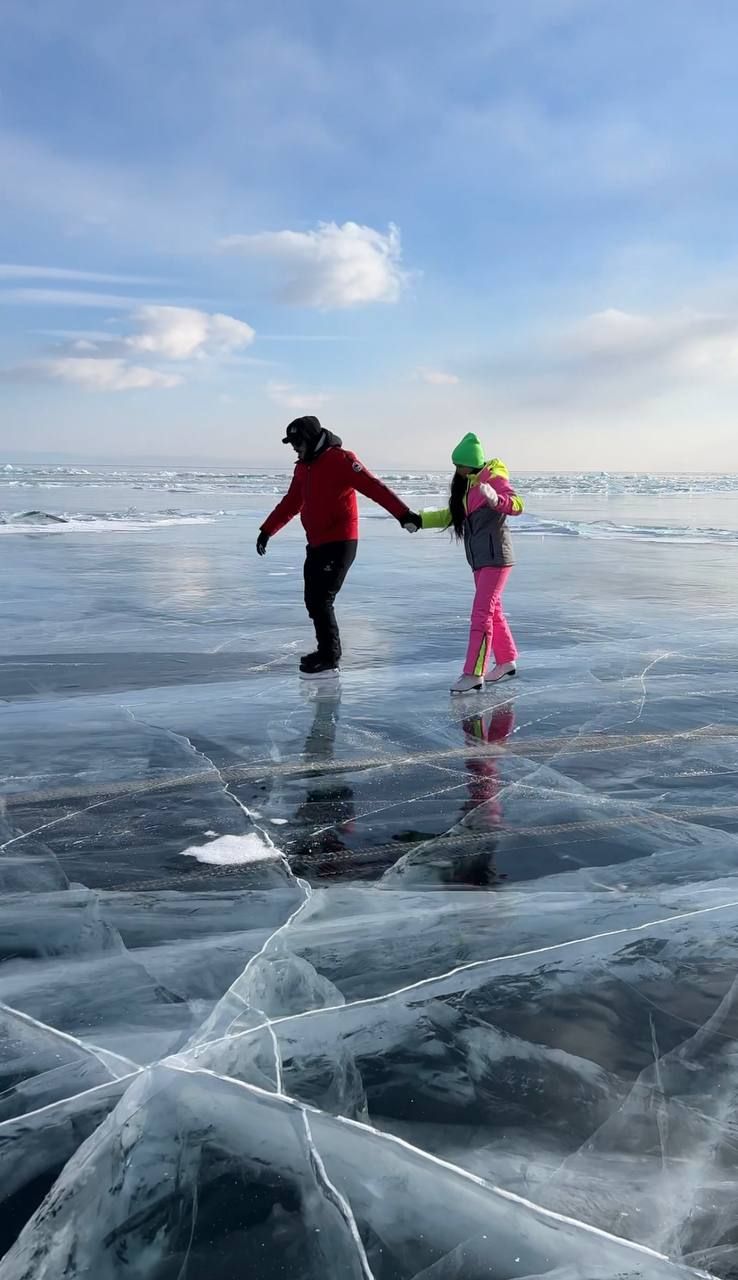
261,543
412,521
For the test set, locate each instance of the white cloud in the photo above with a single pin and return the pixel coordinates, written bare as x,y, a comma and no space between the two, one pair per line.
678,342
104,374
101,362
18,271
183,333
714,355
331,266
92,335
437,377
614,332
288,396
68,298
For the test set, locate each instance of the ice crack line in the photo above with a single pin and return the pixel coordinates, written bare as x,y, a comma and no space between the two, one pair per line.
60,1105
642,677
662,1117
116,1066
339,1202
305,889
182,737
600,740
54,823
395,804
464,1175
203,1035
471,965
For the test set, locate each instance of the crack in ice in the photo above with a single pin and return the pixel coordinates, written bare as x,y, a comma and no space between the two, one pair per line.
332,1194
106,1057
472,965
55,823
385,1136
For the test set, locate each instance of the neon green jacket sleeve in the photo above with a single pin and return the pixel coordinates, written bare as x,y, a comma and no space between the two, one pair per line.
436,519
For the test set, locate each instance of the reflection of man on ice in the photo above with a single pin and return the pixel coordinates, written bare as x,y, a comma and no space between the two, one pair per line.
326,815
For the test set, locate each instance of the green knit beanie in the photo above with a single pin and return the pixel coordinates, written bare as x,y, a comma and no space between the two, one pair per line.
469,452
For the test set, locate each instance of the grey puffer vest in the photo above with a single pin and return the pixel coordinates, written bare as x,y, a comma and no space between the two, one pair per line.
487,540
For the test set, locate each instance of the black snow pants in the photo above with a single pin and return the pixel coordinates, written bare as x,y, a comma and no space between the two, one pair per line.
326,567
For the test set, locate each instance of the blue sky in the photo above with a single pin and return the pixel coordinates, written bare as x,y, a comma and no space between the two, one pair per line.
414,219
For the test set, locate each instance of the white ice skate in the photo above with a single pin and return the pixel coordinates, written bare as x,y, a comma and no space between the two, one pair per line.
326,675
468,684
503,671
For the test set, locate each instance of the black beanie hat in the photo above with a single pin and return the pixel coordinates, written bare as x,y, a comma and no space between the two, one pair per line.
307,428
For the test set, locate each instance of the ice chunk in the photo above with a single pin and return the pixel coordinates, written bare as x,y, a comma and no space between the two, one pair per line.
156,918
319,1069
37,518
25,872
533,1051
668,1149
196,945
39,1065
171,1180
42,926
109,999
35,1147
190,1171
274,983
66,966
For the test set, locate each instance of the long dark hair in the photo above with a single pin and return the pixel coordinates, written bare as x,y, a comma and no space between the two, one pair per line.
457,505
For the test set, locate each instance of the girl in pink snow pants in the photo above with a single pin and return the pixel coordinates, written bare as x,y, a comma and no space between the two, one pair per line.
481,499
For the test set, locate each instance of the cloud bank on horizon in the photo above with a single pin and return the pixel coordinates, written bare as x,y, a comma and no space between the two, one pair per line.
514,219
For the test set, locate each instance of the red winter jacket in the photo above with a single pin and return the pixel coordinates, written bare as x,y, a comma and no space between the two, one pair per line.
324,493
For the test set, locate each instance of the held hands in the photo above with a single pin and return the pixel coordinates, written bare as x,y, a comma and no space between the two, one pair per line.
261,543
489,494
411,521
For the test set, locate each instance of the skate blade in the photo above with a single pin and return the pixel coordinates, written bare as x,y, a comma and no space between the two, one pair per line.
321,676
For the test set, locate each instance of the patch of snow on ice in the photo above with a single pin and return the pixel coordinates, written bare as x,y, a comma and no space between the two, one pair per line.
232,850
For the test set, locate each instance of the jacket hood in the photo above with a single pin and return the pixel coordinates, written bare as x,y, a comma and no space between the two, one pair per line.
308,431
326,440
492,467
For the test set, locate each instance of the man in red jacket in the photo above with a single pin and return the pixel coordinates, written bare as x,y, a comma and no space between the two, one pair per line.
323,491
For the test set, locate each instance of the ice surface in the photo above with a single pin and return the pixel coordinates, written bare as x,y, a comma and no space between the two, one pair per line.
367,982
195,1171
39,1065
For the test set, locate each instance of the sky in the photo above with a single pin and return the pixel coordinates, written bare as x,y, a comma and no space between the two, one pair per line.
413,219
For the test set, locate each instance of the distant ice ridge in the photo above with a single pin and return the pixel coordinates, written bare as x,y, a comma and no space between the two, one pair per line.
133,520
96,522
409,481
604,529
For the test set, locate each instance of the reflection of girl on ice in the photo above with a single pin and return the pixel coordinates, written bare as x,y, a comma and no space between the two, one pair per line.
482,810
480,501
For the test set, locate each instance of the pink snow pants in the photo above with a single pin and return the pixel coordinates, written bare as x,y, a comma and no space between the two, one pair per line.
489,632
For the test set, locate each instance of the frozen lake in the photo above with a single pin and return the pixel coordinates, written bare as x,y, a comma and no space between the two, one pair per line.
367,982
